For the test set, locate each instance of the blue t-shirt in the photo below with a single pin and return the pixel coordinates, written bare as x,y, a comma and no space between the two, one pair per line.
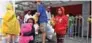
43,17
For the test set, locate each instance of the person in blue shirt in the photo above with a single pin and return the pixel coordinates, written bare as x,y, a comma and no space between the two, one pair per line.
42,20
43,16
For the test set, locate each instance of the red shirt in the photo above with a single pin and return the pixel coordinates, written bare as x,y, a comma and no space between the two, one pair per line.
61,23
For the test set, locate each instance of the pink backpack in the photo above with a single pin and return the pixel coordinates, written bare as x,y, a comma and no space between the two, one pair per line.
25,28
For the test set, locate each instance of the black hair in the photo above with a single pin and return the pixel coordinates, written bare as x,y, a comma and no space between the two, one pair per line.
71,14
31,19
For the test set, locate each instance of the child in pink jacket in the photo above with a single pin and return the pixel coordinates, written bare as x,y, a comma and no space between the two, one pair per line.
27,32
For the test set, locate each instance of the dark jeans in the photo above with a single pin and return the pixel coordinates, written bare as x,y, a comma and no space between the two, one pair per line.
60,38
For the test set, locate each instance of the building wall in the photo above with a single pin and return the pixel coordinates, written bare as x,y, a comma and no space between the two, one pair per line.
74,9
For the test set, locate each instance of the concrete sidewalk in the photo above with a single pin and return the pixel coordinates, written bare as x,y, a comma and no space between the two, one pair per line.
67,40
76,40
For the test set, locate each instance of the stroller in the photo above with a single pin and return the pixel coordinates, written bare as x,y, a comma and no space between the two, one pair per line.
27,33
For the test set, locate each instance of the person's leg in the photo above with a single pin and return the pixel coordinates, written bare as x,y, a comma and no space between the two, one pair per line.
17,39
14,38
43,37
60,39
9,38
43,30
57,38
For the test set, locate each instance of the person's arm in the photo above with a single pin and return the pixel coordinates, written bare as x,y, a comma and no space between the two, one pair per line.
53,21
37,13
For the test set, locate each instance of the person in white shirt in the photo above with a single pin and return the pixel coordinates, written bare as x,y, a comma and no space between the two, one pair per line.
50,30
48,14
27,16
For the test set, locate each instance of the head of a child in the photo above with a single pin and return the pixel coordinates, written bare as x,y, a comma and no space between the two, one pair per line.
30,20
61,11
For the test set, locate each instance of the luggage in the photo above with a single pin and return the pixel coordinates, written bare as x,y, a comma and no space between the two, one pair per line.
50,31
25,33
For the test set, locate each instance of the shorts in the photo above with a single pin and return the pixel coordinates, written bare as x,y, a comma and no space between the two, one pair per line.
43,27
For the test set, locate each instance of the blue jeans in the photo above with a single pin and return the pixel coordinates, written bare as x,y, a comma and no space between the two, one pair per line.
70,31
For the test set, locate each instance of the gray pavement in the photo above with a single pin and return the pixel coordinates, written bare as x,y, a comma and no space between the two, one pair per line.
67,40
76,40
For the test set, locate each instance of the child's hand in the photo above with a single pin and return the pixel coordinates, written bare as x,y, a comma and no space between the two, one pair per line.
37,13
53,21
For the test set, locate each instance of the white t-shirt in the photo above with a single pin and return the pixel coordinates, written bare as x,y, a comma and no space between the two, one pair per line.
27,17
48,16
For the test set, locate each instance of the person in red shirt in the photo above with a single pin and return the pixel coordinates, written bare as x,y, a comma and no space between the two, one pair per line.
61,23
